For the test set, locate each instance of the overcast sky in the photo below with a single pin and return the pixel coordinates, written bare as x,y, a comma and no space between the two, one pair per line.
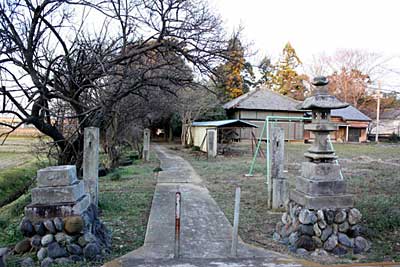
315,26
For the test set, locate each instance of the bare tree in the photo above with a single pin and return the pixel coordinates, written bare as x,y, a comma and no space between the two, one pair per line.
73,74
191,105
351,72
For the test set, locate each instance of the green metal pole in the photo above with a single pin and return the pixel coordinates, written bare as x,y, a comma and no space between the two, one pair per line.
336,161
267,119
256,152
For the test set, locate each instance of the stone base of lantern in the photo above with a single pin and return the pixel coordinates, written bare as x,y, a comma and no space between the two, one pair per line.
66,240
336,230
61,225
320,202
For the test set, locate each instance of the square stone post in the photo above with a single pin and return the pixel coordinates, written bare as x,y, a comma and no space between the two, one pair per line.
280,194
91,162
211,143
146,144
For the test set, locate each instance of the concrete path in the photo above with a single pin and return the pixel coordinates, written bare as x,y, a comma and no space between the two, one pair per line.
206,233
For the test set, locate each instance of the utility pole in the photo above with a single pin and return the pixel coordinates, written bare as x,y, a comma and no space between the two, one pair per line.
378,106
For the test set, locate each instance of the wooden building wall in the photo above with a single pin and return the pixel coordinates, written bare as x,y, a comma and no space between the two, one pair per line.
294,131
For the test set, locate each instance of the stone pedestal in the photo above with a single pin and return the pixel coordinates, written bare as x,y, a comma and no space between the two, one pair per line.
337,230
58,194
61,224
321,186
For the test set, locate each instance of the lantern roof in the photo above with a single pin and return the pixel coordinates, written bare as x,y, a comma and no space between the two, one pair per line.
321,99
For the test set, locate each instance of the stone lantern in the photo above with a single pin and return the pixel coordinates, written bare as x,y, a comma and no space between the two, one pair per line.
321,104
320,184
320,213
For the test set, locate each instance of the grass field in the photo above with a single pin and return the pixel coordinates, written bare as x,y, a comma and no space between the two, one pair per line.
125,197
372,173
124,203
17,151
18,165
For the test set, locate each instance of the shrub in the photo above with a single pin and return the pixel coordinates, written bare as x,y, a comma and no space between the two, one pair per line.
133,155
394,138
381,212
115,176
195,148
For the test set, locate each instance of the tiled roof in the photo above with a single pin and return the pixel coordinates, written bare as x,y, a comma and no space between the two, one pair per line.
263,99
391,114
224,123
350,113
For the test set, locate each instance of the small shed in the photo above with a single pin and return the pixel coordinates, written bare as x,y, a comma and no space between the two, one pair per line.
226,131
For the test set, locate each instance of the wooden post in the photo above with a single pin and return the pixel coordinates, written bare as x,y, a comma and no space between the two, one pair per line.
235,223
146,144
91,163
279,183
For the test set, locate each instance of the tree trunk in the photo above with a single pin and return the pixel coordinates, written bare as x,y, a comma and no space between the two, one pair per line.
170,134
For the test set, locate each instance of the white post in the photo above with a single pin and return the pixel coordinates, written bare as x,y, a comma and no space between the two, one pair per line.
146,144
91,163
378,106
211,143
235,223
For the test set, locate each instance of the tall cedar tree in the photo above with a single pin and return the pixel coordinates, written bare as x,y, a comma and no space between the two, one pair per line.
235,76
266,69
284,79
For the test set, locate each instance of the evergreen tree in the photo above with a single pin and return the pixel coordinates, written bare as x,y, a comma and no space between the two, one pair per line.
266,69
236,76
284,78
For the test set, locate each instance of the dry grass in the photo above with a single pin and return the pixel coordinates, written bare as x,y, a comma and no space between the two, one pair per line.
372,173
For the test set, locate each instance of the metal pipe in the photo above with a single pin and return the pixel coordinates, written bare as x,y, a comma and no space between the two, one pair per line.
177,224
336,161
256,152
276,118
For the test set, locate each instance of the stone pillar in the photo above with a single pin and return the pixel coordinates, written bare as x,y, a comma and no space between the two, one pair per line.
61,221
146,144
3,254
58,194
211,143
280,192
91,162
